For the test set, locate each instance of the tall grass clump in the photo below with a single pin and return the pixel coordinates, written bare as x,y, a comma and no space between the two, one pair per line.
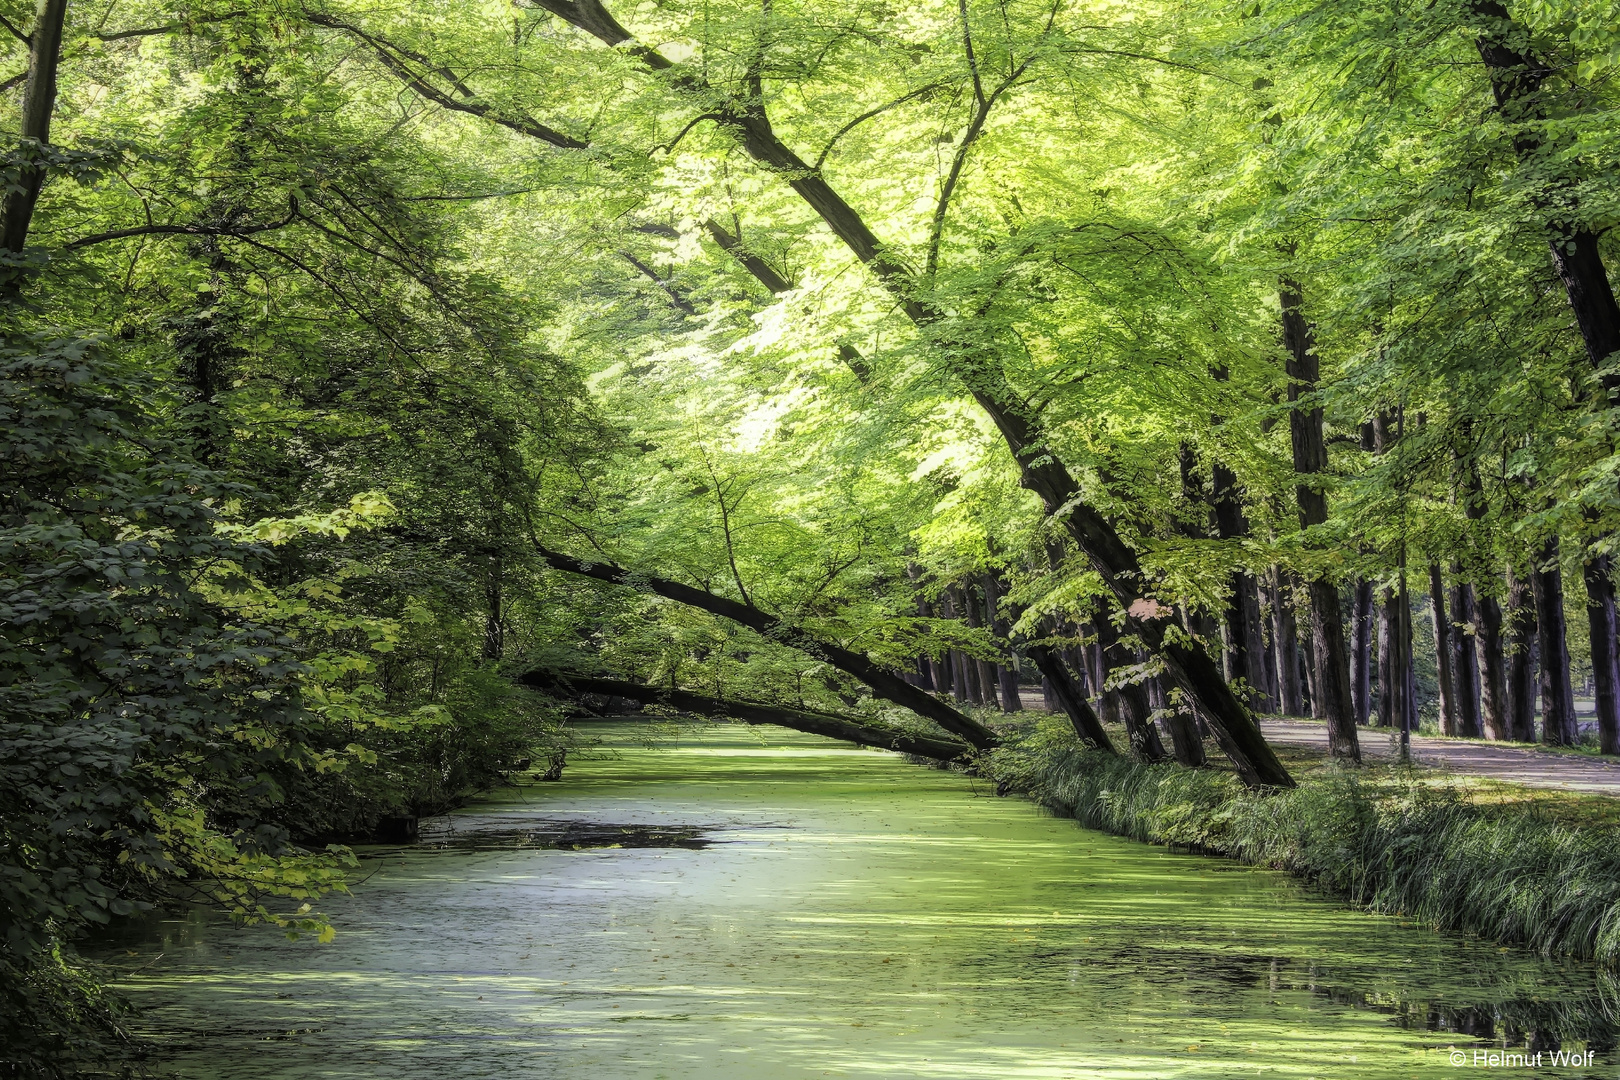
1389,843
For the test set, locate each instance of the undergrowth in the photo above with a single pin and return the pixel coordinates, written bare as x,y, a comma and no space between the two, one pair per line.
1383,839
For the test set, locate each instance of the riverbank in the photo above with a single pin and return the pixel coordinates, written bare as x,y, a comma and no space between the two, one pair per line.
1461,856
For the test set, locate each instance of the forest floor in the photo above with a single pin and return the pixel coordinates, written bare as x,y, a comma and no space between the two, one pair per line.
1532,766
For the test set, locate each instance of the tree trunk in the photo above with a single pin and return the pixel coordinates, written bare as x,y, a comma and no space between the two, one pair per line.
1465,662
1133,708
984,672
1241,619
883,683
38,106
1558,726
1516,80
925,610
1330,661
1521,660
494,616
1069,697
1285,644
1185,741
1493,699
1049,700
1442,651
1600,615
1007,674
1388,659
1488,656
1361,653
754,712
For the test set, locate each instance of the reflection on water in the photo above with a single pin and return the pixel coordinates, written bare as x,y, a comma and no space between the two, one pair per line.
789,908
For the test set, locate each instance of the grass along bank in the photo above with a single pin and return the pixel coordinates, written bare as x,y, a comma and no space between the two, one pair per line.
1539,870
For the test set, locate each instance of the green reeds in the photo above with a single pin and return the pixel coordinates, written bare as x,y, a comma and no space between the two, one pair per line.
1390,842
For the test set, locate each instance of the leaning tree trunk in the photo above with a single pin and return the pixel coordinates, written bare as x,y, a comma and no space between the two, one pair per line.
1464,662
1517,79
754,712
1134,710
1600,614
883,683
1330,660
1558,727
1067,695
1442,651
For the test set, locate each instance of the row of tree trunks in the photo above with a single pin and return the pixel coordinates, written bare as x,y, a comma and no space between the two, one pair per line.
1494,666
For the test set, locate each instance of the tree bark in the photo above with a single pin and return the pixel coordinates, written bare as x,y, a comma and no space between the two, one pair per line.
1558,727
1133,709
1007,674
1600,614
989,674
754,712
1465,662
1285,643
883,683
38,107
1521,659
1442,651
1330,692
1489,659
1361,635
1069,697
1516,81
1389,694
1493,697
1241,619
981,673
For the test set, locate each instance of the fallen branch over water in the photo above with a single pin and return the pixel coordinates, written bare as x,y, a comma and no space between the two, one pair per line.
756,712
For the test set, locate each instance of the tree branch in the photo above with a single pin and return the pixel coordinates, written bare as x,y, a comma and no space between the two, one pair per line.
171,28
391,55
755,712
733,246
675,298
178,230
921,91
884,684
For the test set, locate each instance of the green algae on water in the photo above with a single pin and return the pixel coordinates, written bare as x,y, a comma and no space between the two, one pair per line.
849,915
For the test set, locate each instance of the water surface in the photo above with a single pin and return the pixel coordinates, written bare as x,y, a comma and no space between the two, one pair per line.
809,910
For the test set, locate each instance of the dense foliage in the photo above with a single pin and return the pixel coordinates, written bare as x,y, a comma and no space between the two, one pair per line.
983,343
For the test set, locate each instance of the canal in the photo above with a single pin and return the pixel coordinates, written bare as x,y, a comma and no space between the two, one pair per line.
752,903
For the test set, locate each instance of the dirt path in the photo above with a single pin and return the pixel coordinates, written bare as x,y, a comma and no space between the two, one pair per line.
1517,764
